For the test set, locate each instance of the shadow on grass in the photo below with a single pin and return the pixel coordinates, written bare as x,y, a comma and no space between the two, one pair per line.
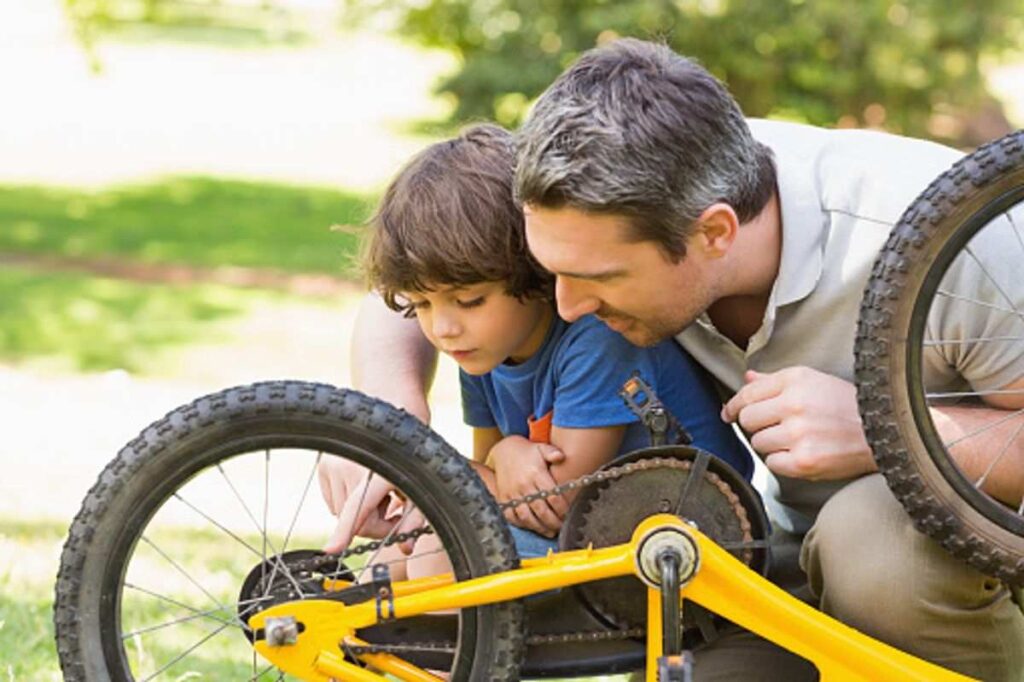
193,220
93,324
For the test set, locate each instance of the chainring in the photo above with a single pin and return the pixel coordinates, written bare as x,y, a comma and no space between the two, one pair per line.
297,574
721,504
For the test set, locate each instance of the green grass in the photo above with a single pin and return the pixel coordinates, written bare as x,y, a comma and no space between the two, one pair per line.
29,559
193,220
29,555
28,567
87,323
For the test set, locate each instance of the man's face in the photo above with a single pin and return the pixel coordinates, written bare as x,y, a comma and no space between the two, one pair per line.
632,286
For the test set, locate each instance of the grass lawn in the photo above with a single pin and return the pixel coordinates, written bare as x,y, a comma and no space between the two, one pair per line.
192,220
83,323
29,556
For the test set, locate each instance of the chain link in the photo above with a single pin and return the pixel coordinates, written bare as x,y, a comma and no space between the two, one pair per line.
319,563
611,473
532,640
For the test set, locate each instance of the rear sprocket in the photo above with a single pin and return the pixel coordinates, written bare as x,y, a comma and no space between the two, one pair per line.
718,501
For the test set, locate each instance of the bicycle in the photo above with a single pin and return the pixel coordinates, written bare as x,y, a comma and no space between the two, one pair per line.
647,538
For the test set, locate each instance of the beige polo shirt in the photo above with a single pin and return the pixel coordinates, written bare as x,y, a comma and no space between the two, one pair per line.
840,191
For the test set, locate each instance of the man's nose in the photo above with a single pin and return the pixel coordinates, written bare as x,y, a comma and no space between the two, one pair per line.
573,303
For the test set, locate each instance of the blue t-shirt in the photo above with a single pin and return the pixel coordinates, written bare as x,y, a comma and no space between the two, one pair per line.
573,381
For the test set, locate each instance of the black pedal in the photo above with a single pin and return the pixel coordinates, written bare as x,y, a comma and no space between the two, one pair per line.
676,668
642,401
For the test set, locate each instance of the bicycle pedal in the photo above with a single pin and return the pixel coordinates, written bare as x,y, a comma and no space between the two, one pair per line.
676,668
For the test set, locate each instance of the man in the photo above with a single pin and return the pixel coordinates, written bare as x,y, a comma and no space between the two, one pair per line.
662,212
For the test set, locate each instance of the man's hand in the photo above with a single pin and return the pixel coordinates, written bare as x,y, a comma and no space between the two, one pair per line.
521,468
804,422
365,505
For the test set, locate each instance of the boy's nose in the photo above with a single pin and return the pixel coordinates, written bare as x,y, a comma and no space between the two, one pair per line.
572,305
446,327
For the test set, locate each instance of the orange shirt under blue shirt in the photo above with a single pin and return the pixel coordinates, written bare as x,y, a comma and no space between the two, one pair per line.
573,380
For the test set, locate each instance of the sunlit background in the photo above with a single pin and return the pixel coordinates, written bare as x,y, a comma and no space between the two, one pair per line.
171,170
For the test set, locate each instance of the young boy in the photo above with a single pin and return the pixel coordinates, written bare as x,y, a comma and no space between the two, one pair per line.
449,248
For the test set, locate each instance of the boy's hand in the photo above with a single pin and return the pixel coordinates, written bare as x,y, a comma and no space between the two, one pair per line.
804,422
365,505
521,468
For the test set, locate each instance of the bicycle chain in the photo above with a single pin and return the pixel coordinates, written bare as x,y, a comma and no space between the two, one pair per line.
531,640
611,473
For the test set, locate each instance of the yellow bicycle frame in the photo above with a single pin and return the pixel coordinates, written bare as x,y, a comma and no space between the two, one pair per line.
721,584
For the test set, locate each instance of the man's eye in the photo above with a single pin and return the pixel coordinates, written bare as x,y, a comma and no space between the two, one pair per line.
471,303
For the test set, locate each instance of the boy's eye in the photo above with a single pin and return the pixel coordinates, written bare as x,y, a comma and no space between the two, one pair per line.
471,303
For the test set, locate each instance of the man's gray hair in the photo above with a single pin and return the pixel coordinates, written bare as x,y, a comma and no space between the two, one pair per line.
635,129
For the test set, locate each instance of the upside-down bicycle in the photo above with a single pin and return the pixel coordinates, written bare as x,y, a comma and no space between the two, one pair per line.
652,544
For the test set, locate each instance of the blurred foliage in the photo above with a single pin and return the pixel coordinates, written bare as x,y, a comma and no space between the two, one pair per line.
221,22
909,67
191,220
86,323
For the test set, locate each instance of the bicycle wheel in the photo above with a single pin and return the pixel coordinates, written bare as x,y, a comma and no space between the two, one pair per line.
941,335
204,502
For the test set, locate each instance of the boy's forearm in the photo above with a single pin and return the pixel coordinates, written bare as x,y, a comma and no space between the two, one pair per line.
391,359
585,450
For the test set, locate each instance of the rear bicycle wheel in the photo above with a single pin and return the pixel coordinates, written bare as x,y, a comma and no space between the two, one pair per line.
172,546
941,334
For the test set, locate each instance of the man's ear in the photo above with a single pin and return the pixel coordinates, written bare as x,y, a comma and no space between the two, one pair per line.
716,230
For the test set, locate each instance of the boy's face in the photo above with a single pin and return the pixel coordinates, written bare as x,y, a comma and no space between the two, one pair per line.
479,325
630,285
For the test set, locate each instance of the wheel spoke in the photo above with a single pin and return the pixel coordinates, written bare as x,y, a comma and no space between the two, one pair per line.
186,652
302,501
996,284
409,507
258,675
974,394
278,563
231,608
359,508
983,304
983,429
219,526
976,339
1006,446
196,614
183,572
266,506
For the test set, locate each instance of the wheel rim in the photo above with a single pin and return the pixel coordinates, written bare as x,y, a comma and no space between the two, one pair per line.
969,487
170,588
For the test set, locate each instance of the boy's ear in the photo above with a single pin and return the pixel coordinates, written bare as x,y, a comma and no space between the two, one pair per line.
717,228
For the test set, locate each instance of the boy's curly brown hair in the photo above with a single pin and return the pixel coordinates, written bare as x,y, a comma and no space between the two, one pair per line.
449,219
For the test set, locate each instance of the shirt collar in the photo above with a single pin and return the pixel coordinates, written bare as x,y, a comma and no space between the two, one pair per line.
804,223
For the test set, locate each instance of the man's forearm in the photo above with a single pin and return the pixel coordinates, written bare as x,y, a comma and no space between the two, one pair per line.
391,359
986,442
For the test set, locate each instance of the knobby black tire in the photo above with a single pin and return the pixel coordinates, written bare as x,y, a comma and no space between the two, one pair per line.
973,187
279,414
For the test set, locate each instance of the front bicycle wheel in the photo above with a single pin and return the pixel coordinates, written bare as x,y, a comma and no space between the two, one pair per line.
940,359
207,517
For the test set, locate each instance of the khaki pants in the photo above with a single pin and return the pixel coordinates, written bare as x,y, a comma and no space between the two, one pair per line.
867,566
